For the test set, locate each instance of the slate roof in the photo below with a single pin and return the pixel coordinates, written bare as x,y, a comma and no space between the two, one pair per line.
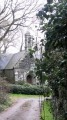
10,61
4,60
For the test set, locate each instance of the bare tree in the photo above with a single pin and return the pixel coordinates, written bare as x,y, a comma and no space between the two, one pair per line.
8,41
14,14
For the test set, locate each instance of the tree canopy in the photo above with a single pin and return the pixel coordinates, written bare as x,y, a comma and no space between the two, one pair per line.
53,22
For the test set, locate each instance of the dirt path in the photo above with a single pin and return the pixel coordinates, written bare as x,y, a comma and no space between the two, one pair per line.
24,109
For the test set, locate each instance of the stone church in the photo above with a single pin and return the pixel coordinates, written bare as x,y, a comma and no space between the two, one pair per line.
19,66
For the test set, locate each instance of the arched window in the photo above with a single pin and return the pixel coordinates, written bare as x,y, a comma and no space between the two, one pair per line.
29,79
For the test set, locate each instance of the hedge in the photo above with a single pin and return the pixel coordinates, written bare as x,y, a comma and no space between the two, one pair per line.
29,90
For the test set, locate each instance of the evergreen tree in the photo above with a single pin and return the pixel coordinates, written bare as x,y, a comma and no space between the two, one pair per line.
53,21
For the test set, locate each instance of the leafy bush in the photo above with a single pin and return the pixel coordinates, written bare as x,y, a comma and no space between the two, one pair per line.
27,85
1,107
29,90
47,91
20,82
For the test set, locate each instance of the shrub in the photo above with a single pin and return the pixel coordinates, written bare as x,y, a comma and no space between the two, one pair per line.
20,82
29,89
19,89
1,107
27,85
3,93
47,91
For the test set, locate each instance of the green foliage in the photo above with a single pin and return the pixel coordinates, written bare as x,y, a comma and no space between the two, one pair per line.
56,26
29,90
38,69
4,98
20,82
47,91
54,60
23,83
31,51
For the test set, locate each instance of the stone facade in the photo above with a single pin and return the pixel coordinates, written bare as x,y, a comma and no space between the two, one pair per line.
24,68
19,66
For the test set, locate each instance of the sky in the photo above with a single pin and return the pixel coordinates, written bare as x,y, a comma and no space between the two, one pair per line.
33,30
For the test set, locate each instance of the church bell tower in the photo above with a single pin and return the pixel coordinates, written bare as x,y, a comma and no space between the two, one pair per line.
28,41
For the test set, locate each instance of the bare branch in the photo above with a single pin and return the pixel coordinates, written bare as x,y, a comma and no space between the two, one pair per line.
15,13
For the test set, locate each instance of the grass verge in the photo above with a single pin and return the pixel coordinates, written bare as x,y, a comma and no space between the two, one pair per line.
23,96
5,105
46,111
14,97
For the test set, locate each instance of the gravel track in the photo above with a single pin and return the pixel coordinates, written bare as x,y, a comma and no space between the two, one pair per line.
23,109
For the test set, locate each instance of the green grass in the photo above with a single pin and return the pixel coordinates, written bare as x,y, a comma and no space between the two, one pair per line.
17,96
46,111
13,98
